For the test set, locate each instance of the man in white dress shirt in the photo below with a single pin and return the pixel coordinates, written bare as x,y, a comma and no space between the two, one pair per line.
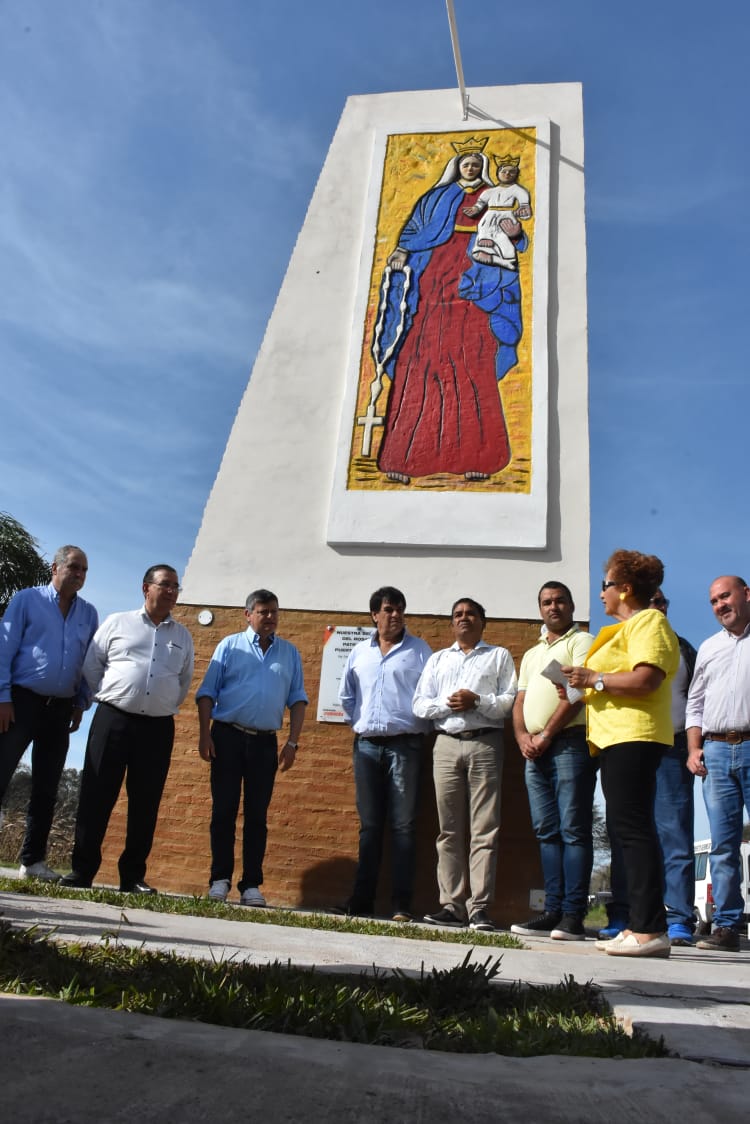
717,723
139,666
467,691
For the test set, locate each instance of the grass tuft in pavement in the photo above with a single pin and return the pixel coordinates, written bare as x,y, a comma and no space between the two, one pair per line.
464,1009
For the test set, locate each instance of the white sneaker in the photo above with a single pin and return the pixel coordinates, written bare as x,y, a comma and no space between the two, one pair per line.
219,890
253,896
41,871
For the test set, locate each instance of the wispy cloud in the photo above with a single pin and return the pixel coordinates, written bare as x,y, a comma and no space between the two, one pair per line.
108,205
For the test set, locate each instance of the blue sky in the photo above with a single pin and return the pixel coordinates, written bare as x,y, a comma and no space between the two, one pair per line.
158,159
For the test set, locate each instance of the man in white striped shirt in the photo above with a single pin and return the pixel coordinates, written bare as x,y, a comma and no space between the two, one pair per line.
717,723
467,691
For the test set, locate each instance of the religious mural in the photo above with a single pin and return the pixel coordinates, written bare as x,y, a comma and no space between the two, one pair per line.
444,398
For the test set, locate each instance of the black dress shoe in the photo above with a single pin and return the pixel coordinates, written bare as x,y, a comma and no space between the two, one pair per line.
352,908
75,881
445,916
138,888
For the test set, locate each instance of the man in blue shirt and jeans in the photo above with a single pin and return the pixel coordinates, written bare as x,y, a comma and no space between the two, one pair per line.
376,693
252,678
44,635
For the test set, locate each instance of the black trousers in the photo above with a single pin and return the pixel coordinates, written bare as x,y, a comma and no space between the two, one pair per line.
628,772
46,723
247,763
121,744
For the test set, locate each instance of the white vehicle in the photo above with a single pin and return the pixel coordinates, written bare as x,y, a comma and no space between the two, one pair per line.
704,900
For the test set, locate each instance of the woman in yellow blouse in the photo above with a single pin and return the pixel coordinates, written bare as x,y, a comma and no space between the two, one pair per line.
627,678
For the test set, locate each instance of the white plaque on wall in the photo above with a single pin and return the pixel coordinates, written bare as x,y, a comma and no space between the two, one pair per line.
337,646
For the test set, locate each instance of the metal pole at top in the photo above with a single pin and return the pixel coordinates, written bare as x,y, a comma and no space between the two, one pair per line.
457,59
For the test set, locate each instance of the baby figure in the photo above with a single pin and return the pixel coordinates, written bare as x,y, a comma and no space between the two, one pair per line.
504,205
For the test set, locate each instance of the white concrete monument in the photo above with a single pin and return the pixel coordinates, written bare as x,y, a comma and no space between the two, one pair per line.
417,413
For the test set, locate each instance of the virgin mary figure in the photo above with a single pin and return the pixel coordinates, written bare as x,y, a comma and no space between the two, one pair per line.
453,325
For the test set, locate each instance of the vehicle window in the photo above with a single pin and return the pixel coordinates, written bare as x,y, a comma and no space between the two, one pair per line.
701,862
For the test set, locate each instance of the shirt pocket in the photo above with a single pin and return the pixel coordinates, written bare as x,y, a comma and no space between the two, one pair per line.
174,658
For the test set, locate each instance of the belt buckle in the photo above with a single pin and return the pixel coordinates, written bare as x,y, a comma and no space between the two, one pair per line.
733,737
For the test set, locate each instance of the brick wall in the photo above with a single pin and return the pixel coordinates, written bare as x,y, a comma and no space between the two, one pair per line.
312,837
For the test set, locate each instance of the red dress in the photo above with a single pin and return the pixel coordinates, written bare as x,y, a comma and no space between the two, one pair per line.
444,410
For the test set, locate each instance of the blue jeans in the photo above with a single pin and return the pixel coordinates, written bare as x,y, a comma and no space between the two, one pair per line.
560,785
386,781
674,815
725,789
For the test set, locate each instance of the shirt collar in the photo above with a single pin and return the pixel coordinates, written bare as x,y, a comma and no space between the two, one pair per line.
544,633
255,638
482,644
147,618
732,635
375,639
55,594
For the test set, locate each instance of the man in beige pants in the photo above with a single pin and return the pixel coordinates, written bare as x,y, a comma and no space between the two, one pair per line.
467,691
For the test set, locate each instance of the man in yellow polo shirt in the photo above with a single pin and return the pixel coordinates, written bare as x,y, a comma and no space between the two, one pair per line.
560,773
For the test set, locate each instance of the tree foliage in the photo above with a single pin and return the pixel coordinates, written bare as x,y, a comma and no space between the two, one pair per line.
13,816
21,564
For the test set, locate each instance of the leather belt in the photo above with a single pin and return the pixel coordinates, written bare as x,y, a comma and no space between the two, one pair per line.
45,700
386,739
732,737
251,730
467,735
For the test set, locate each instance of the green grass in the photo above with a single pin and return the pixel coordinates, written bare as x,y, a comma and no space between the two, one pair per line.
464,1009
596,918
202,907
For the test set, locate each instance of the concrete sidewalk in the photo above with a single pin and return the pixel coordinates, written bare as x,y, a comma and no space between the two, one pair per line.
92,1064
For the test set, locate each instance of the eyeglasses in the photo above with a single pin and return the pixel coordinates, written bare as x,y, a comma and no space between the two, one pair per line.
168,587
606,585
659,602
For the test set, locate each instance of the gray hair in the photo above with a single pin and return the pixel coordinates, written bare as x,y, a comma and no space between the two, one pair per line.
259,597
63,553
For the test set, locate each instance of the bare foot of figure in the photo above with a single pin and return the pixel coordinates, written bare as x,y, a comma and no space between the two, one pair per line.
476,475
398,477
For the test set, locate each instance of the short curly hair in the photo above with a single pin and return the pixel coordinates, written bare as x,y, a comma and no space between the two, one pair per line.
644,572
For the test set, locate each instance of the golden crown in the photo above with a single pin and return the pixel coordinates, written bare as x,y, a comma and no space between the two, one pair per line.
473,144
507,161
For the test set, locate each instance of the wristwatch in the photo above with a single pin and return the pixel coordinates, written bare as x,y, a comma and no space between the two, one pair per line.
291,743
599,683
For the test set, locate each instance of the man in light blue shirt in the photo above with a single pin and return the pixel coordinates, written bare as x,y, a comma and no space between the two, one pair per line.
376,694
44,635
252,678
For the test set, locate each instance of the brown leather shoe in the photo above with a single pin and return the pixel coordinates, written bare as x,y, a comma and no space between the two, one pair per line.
721,940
